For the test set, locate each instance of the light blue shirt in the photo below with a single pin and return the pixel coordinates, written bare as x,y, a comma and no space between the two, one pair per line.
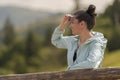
89,55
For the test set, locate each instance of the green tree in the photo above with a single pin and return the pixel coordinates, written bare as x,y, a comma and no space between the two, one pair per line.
48,34
31,47
8,39
112,12
9,33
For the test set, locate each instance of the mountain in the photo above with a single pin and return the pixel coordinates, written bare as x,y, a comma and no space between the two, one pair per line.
21,16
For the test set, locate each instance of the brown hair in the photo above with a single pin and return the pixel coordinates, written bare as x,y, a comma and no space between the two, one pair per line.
88,16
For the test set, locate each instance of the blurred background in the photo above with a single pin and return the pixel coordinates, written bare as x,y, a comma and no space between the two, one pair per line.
26,27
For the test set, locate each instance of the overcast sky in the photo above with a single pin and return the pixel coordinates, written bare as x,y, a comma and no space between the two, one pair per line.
55,5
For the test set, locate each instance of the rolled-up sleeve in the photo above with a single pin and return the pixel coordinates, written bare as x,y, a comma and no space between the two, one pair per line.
93,60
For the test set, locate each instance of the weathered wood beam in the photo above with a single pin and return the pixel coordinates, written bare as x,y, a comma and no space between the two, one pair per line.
82,74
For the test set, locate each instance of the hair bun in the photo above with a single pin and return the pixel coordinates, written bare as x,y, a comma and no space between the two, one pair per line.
91,10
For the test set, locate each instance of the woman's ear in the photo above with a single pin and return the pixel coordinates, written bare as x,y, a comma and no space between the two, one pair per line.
82,23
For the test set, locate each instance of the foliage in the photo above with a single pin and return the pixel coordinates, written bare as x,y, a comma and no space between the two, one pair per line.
31,52
9,33
113,12
109,24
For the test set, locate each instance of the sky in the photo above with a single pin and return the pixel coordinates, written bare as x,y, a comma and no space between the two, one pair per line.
56,5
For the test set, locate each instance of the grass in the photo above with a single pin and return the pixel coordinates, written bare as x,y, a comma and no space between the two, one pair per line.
112,59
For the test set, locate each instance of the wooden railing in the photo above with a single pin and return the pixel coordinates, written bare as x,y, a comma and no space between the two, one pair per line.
83,74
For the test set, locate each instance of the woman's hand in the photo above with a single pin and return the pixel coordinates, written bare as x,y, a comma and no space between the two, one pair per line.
64,22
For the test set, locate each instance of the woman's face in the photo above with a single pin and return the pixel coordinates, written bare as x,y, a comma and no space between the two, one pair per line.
76,27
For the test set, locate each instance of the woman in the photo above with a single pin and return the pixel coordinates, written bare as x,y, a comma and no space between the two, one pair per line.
85,47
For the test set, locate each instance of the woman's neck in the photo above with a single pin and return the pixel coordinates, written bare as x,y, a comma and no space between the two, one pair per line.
84,37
